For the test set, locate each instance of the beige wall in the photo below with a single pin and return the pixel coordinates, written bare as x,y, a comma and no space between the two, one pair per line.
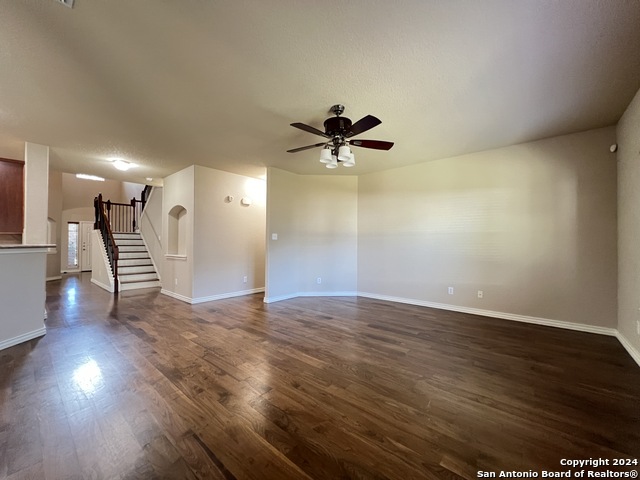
533,226
315,218
224,239
228,236
80,193
628,137
55,213
177,272
77,205
131,190
282,257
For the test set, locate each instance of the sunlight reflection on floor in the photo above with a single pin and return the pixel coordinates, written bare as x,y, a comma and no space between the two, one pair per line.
88,377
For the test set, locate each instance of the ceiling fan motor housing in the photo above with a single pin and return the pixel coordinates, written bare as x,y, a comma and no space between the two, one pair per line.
337,125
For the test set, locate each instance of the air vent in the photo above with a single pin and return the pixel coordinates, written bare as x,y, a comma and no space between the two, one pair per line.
66,3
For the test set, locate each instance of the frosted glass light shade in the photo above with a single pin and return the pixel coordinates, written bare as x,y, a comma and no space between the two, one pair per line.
343,153
325,155
351,162
333,163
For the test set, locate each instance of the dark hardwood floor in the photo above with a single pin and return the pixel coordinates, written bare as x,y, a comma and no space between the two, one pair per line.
144,386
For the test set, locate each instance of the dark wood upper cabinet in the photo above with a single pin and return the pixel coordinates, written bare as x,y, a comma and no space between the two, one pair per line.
11,196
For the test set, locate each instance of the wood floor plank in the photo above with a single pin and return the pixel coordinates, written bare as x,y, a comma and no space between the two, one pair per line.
141,386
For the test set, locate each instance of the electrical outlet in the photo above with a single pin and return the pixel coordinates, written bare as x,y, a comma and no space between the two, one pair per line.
175,281
244,279
450,290
638,327
319,280
480,294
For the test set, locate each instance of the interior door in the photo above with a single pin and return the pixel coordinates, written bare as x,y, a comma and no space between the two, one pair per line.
85,246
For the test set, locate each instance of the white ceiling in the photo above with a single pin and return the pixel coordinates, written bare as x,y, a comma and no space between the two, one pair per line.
167,83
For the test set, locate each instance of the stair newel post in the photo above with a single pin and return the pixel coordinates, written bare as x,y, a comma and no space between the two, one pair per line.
95,213
134,214
143,198
115,269
109,211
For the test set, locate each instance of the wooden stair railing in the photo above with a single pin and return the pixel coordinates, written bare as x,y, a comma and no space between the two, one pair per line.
120,218
144,196
103,224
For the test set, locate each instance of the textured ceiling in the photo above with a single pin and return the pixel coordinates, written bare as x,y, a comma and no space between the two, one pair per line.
167,83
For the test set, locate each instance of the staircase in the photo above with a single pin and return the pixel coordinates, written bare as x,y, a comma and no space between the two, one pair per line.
135,268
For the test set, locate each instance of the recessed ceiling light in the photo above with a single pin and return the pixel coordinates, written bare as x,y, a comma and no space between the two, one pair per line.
84,176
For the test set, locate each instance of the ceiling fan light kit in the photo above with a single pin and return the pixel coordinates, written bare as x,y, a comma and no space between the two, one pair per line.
333,163
338,131
351,162
325,155
344,153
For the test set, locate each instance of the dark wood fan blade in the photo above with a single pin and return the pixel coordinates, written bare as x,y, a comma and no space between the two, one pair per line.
362,125
299,149
309,129
376,144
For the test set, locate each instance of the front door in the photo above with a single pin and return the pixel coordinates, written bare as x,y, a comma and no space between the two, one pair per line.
86,228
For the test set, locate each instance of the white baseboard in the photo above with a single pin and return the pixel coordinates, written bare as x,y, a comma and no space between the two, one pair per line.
635,354
50,279
211,298
506,316
175,295
280,298
23,338
309,294
227,295
108,288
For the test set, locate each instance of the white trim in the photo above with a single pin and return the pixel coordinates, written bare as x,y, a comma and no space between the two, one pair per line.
506,316
50,279
23,338
211,298
108,288
177,296
155,267
14,249
635,354
280,298
309,294
328,294
226,295
173,256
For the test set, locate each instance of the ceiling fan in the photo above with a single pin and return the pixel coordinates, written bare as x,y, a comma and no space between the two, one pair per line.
338,132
